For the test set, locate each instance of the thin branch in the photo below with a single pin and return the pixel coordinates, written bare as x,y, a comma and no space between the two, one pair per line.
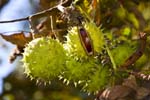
45,12
141,75
15,20
138,53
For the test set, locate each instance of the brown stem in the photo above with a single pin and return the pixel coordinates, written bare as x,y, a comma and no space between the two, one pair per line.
138,53
15,20
141,75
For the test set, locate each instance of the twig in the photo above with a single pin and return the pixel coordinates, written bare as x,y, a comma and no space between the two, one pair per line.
45,12
138,53
15,20
141,75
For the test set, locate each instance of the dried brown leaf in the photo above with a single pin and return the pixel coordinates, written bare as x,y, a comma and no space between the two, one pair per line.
19,39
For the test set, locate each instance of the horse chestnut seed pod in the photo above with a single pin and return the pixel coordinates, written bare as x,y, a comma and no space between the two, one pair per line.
85,40
96,36
44,59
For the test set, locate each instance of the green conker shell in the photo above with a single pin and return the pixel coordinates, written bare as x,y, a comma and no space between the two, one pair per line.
44,59
96,36
74,45
98,80
88,74
77,70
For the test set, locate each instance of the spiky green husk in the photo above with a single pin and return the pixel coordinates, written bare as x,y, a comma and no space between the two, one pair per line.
73,43
44,59
99,80
88,74
79,70
96,36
